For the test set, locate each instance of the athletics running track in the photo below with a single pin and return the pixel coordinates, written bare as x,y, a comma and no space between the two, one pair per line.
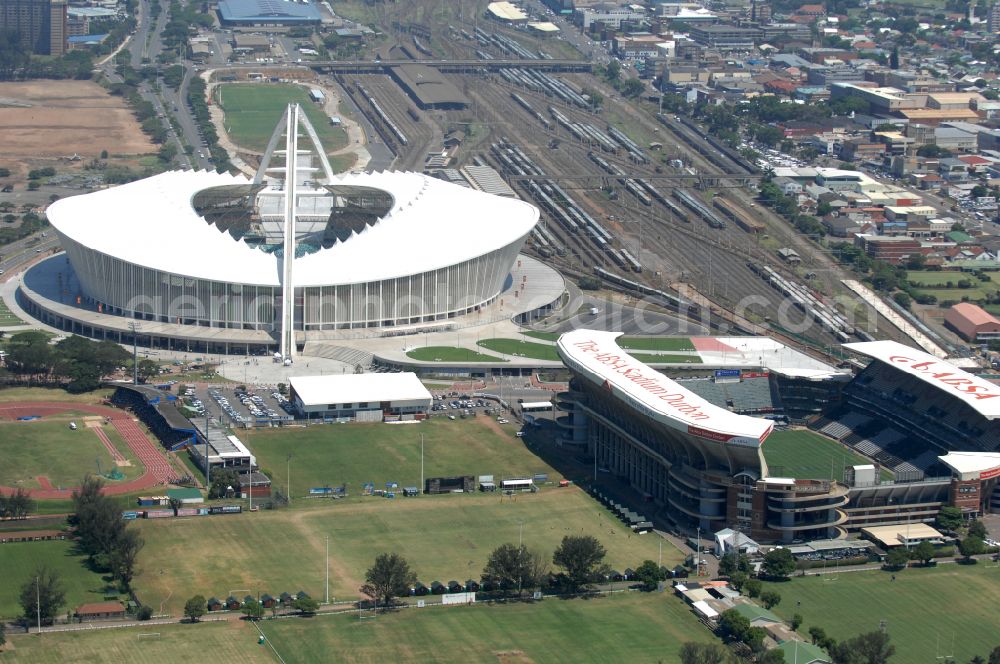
157,469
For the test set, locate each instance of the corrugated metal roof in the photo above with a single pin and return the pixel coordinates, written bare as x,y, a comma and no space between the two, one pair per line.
359,388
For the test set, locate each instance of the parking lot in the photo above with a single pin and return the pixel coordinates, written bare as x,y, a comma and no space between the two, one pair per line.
241,407
464,405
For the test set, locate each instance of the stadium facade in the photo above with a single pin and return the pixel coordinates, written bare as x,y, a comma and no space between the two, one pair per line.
705,465
702,463
196,249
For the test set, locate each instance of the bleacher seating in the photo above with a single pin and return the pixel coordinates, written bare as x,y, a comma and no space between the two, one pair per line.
750,395
836,429
937,419
134,401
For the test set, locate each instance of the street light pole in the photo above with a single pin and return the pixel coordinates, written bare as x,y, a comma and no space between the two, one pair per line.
134,327
38,605
288,473
327,569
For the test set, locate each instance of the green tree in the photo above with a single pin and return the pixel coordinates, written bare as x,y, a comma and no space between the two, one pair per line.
770,599
222,480
733,562
147,369
124,556
897,558
795,622
779,563
98,520
994,656
733,625
949,518
774,656
613,71
632,88
306,605
42,595
579,556
388,578
818,636
704,653
894,58
509,568
253,609
924,552
195,608
978,529
738,579
971,546
649,575
752,588
3,634
869,648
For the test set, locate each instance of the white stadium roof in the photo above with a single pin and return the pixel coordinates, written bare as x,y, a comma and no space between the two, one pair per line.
359,388
979,394
432,224
973,465
597,355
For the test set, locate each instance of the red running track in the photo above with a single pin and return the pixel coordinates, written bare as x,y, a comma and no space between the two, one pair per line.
112,450
157,469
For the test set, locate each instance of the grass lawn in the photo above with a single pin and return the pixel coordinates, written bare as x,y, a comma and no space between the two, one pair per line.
8,318
856,602
522,348
231,641
450,354
252,111
934,282
49,448
332,454
653,358
806,454
656,343
18,561
22,394
544,336
633,627
443,537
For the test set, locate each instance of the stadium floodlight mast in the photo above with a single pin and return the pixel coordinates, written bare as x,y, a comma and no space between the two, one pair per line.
135,327
291,120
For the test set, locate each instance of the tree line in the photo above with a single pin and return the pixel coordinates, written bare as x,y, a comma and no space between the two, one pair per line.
513,570
102,533
74,362
17,505
103,536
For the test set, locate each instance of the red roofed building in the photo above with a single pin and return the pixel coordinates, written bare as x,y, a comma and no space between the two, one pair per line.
781,87
101,611
972,322
976,163
811,10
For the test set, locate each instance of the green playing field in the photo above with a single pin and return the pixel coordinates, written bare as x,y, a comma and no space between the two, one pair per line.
252,111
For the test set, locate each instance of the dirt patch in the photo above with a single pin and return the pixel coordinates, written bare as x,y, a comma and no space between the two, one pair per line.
54,119
513,657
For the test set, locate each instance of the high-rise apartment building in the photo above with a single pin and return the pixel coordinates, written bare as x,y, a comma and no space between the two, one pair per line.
42,23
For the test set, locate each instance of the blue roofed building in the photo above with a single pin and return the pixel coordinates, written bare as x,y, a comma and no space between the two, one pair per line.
263,13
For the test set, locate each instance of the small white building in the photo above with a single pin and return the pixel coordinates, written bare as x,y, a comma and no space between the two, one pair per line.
727,540
370,397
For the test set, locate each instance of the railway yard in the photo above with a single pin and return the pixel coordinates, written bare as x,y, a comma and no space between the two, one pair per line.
645,200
